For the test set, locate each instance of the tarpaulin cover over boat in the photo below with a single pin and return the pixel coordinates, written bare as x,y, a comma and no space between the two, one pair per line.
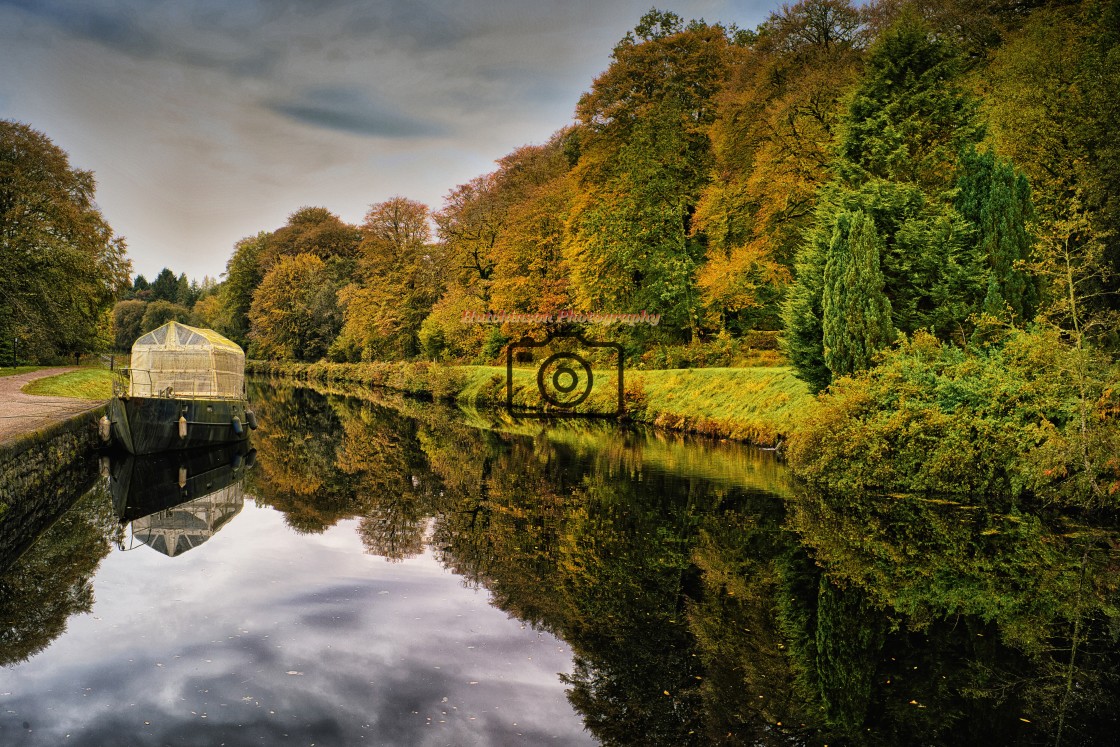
180,361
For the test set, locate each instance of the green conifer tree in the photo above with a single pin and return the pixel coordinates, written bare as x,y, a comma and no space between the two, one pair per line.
996,201
802,341
897,166
856,313
909,118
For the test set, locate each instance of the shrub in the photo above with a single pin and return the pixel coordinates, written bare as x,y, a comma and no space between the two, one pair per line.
932,418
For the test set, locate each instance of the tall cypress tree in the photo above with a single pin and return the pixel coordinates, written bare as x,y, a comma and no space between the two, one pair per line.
802,340
856,314
996,202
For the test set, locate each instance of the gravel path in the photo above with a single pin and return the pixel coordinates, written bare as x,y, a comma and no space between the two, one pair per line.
24,413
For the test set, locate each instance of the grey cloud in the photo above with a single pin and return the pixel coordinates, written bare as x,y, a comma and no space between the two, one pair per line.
143,34
352,110
346,699
249,38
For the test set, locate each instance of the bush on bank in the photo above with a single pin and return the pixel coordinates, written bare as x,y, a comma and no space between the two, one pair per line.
1029,416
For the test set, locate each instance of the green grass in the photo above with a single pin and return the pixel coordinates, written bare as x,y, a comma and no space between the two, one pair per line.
88,383
758,404
10,371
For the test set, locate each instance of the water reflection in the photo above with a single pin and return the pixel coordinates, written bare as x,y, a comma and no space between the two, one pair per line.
52,581
704,598
708,601
173,502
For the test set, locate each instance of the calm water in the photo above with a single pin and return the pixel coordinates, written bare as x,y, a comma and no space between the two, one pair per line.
394,573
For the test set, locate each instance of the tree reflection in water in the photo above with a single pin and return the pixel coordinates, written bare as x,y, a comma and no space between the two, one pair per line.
706,599
52,580
709,601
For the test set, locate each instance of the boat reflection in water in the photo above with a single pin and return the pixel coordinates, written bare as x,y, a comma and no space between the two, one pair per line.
177,500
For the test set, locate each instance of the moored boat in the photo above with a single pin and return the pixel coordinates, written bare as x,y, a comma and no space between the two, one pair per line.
184,388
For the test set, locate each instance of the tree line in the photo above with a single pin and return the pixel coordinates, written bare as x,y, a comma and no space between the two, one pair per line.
842,174
145,306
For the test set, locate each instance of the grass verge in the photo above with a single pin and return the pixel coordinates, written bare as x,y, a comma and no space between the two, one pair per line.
88,383
756,404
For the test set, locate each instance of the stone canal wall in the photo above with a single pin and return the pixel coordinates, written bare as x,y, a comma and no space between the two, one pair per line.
41,475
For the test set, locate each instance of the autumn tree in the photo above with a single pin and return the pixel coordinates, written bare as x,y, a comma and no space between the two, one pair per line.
773,139
242,276
1052,107
207,312
127,323
159,313
502,239
469,223
294,315
401,277
644,158
530,271
316,231
61,267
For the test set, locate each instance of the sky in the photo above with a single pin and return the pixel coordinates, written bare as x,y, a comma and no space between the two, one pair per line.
205,122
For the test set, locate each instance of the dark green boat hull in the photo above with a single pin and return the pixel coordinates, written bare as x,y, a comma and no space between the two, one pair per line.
149,425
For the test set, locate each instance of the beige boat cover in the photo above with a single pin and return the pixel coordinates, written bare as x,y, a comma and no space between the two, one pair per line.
180,361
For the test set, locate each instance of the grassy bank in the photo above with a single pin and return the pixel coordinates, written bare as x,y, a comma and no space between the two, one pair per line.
88,383
755,405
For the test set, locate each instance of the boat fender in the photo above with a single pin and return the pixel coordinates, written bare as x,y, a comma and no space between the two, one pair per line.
237,426
251,458
182,426
236,462
104,428
182,477
251,419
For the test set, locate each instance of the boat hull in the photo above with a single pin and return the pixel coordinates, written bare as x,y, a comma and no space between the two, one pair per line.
149,425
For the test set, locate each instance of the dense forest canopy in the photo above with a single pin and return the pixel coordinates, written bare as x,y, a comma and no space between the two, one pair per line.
840,175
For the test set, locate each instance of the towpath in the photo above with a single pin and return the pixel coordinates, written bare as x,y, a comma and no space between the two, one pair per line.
25,413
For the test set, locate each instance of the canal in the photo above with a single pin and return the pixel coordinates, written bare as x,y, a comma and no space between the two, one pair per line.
377,570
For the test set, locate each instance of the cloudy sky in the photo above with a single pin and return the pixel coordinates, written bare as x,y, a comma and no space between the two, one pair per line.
208,121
